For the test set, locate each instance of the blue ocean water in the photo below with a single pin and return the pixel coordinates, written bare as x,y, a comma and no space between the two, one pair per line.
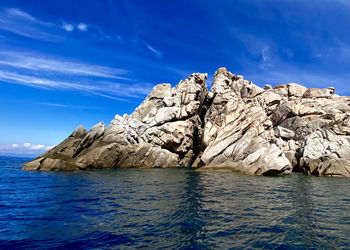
169,208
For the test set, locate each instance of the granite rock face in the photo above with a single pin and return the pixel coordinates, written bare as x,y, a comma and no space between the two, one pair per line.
159,133
236,126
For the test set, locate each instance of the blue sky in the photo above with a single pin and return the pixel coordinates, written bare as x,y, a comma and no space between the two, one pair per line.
65,63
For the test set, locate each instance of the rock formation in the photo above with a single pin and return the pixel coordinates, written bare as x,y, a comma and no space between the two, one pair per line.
235,126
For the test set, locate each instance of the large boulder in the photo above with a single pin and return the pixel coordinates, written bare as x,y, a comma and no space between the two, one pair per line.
326,154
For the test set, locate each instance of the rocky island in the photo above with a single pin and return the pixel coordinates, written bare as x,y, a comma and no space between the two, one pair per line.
236,126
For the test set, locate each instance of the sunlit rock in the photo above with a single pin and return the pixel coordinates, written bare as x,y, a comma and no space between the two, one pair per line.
236,126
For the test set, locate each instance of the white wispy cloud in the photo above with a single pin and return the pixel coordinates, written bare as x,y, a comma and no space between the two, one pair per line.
72,106
68,27
269,63
24,149
310,78
50,72
40,71
35,146
26,146
266,58
153,50
95,88
21,14
82,26
40,82
33,61
339,51
111,90
22,23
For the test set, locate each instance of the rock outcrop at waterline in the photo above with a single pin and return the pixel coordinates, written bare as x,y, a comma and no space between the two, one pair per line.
235,126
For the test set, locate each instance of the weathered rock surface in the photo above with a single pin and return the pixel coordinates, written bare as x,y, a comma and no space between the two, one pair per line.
159,133
326,153
236,126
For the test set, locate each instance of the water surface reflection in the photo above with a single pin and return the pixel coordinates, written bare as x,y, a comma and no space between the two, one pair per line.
171,208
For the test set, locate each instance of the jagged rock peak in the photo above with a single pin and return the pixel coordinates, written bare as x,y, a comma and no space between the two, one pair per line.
236,126
79,132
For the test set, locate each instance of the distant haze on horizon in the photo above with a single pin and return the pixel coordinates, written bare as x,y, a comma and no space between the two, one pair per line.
69,63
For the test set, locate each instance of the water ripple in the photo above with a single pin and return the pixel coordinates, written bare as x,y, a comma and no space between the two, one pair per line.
169,208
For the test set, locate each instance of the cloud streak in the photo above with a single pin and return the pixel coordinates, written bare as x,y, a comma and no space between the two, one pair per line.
266,58
40,71
68,27
26,146
109,90
82,27
311,79
21,23
25,149
70,106
41,62
153,50
20,14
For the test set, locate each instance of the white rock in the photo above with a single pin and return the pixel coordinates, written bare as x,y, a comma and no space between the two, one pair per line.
284,133
295,89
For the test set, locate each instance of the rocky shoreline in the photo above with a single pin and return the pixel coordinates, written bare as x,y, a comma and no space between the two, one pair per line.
235,126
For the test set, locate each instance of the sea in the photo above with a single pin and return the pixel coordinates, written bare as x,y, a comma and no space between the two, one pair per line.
170,209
